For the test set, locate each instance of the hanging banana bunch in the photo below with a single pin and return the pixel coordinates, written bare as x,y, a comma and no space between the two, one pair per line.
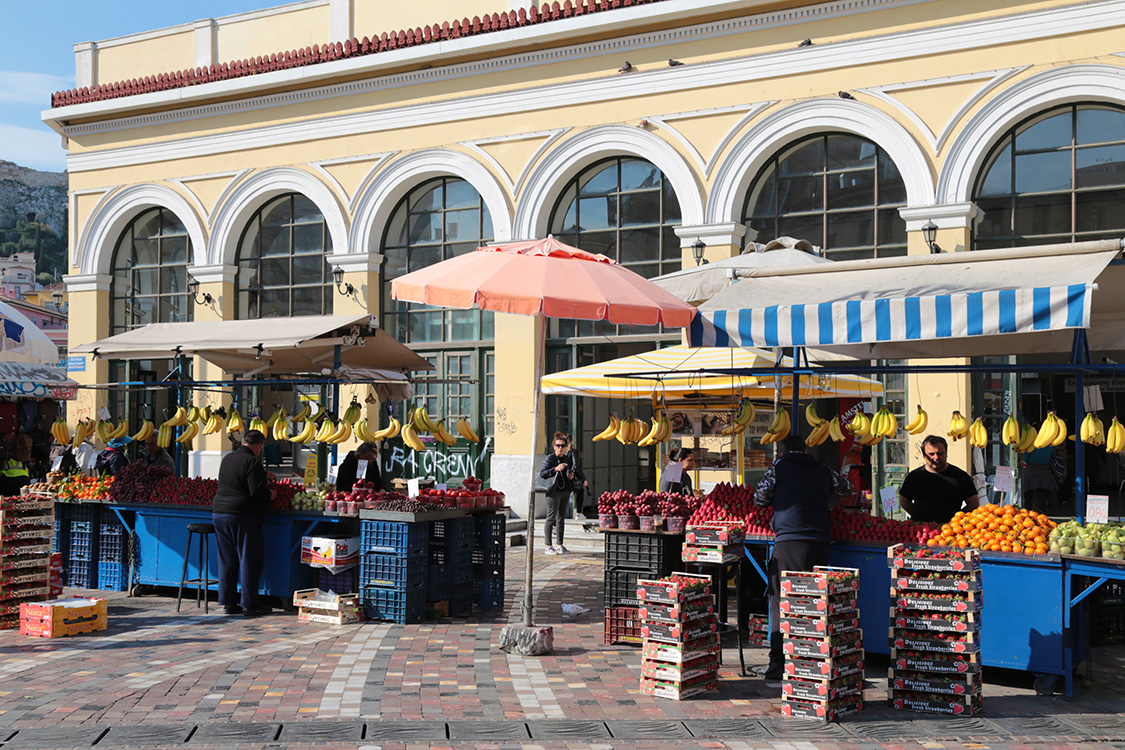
661,430
860,425
1051,432
411,438
884,424
234,424
958,426
392,430
60,432
779,428
978,434
143,434
1115,437
465,430
611,430
353,412
917,425
742,418
1092,431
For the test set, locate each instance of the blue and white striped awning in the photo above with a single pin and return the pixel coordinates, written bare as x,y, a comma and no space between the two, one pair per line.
872,321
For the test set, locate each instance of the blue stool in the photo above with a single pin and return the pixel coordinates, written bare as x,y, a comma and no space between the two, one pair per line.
205,530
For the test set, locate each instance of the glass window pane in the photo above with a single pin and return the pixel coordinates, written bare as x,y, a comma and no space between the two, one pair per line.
799,194
305,211
670,246
462,327
998,179
762,195
396,231
647,270
849,152
604,243
804,159
638,245
997,220
462,225
460,194
851,189
809,228
892,190
308,269
173,309
274,241
145,250
173,280
1038,173
600,183
671,203
1100,211
640,209
569,220
274,303
1042,214
1097,125
174,250
425,227
597,213
1051,132
892,228
851,230
308,300
487,324
144,310
425,326
426,199
308,238
424,256
275,272
638,175
1100,166
277,213
145,280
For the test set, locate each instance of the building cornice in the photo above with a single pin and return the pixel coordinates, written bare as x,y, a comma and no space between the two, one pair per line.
87,282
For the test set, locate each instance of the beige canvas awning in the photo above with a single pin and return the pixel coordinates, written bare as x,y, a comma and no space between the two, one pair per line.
273,346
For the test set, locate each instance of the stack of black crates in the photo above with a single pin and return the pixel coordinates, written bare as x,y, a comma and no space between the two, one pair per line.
629,557
681,651
26,523
114,543
490,538
936,604
83,541
823,643
451,571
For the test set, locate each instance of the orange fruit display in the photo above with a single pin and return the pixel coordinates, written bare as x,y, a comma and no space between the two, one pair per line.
997,528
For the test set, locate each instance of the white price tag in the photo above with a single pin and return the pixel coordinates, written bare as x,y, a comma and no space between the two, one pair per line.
1005,479
413,487
1097,508
889,497
103,414
440,486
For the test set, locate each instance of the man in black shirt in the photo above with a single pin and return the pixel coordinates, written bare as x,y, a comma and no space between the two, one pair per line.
937,490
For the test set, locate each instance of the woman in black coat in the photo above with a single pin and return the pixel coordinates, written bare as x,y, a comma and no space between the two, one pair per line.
562,462
346,475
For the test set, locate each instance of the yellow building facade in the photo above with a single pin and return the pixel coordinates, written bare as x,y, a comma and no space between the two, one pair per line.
635,129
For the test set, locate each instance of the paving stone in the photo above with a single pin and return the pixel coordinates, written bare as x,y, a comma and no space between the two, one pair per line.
234,732
635,729
566,729
405,730
321,731
145,736
56,737
725,728
488,730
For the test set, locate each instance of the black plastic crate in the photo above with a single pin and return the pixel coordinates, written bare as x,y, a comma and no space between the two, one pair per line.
113,548
456,558
396,606
394,538
488,555
346,582
488,588
452,533
113,576
461,603
621,586
60,534
82,574
657,553
86,513
440,584
489,530
393,572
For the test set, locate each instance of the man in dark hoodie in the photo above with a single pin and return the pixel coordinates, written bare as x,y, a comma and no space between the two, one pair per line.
798,487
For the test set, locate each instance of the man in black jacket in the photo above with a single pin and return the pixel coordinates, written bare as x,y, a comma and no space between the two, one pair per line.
237,512
798,488
348,475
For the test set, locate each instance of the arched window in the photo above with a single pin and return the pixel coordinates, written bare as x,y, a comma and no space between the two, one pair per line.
150,272
282,261
439,219
838,191
1056,177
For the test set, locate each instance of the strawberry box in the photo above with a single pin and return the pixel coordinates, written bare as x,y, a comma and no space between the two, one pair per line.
958,684
817,606
952,643
677,691
680,632
820,648
933,558
935,703
821,581
819,627
679,587
758,623
327,617
700,666
815,690
697,553
941,582
679,612
678,653
822,710
969,601
715,533
938,663
940,622
757,639
309,599
826,669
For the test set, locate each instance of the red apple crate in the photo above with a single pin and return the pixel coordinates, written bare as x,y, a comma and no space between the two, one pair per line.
679,632
689,587
817,582
816,690
825,710
965,683
917,558
678,691
700,666
939,582
678,653
967,601
817,627
948,663
714,533
696,553
816,606
683,612
825,669
936,622
954,643
935,703
821,648
622,625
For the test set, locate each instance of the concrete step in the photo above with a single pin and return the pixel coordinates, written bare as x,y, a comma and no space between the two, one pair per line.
579,537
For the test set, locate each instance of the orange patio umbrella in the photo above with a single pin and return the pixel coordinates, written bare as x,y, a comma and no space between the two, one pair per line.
549,279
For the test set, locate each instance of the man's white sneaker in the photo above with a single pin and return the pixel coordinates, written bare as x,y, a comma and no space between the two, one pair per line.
551,551
561,550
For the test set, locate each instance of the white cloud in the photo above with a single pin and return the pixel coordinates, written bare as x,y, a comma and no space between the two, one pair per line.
37,148
17,87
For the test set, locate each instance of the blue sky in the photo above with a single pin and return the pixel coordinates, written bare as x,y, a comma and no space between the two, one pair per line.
37,58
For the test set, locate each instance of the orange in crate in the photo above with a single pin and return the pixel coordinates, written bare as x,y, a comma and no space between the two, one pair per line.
62,617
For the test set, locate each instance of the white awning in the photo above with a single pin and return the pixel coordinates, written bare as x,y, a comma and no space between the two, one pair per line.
23,380
22,341
274,346
1010,301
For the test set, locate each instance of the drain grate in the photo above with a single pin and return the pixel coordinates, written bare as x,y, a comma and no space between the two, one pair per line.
805,729
232,732
626,729
344,731
488,730
405,730
1033,726
145,736
726,728
56,738
568,729
955,726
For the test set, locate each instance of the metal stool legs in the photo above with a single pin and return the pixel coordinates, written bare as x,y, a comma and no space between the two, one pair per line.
205,530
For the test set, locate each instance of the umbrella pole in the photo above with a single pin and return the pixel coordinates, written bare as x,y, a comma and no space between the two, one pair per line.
528,607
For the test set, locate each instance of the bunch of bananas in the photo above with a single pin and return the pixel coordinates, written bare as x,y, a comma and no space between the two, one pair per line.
779,428
352,413
179,419
631,432
214,423
411,438
465,430
862,428
661,430
918,425
164,435
958,426
303,414
1092,431
333,433
978,434
234,423
393,428
421,421
611,430
280,429
189,433
1051,432
143,434
822,428
1026,442
105,430
307,432
60,432
742,418
1115,437
884,423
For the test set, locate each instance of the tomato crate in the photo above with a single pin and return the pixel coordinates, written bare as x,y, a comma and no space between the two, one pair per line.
715,533
697,553
965,683
27,503
953,643
923,558
678,653
818,606
938,582
326,601
622,625
40,588
822,710
23,562
24,577
700,666
680,632
678,691
12,547
685,587
343,617
967,601
819,627
823,580
681,612
826,669
819,648
921,661
815,690
935,703
936,622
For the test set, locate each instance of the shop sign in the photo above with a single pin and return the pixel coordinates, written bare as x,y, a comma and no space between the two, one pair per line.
76,363
1107,383
310,471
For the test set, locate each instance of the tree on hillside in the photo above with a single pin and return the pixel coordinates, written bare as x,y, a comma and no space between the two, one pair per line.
38,238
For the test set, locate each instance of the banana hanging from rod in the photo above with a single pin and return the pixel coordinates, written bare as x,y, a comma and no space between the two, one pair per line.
234,424
610,432
146,430
917,425
410,437
466,431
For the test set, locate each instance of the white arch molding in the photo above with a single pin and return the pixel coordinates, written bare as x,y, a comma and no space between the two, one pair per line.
255,191
95,245
816,116
374,207
550,177
1067,85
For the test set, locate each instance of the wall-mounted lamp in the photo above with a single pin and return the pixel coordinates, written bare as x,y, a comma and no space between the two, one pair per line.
193,290
342,286
929,234
56,297
697,249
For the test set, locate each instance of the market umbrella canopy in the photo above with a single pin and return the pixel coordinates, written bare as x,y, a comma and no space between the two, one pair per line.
280,346
23,380
22,341
543,276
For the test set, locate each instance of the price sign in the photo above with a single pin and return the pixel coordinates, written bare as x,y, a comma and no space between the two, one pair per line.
889,497
1005,479
1097,508
310,471
413,487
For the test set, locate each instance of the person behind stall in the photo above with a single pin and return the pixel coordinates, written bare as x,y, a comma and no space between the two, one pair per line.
799,488
113,458
349,471
937,490
562,466
684,459
13,472
154,455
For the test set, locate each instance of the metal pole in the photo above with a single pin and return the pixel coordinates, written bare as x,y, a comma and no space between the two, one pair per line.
335,394
1079,449
528,606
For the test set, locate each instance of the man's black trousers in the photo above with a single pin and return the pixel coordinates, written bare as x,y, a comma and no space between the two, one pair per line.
242,550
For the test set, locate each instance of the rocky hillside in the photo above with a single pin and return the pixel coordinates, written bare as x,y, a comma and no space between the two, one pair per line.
24,190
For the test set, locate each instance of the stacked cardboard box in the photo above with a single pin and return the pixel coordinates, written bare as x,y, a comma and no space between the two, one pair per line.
718,542
316,605
62,617
936,604
759,628
823,643
26,526
681,651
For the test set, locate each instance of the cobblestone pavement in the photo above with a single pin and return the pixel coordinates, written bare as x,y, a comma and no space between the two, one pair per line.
158,678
